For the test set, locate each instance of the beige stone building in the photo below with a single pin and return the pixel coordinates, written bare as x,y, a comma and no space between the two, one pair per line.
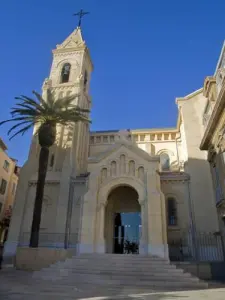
8,185
213,138
122,191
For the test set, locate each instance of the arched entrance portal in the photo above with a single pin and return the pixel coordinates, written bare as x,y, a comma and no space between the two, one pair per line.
122,221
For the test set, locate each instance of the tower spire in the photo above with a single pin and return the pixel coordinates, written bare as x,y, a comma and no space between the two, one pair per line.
80,15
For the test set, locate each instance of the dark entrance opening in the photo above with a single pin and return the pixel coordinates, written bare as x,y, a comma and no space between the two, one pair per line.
127,228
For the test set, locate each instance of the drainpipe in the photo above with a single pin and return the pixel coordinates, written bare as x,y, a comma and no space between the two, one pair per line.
192,223
178,158
69,213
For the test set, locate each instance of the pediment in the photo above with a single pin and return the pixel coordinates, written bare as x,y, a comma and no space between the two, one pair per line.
123,146
74,40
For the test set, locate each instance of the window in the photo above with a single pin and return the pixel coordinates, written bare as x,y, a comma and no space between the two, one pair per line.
152,137
65,74
105,139
172,211
92,140
111,138
52,160
173,136
85,79
159,136
98,139
166,136
3,186
165,161
218,189
142,137
6,165
13,188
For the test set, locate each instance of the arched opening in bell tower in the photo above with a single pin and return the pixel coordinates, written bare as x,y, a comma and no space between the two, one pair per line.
65,73
123,221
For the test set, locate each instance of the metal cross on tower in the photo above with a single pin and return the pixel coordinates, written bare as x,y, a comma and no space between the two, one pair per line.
80,15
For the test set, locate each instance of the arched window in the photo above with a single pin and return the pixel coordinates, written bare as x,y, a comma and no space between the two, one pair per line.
165,161
65,73
52,160
85,79
172,211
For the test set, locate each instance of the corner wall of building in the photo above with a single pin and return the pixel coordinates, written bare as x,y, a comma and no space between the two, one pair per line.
201,188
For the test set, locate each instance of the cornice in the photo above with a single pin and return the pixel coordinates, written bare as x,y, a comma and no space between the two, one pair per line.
167,177
68,50
213,121
189,96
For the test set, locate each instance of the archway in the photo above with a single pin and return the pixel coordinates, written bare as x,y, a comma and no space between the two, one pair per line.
122,228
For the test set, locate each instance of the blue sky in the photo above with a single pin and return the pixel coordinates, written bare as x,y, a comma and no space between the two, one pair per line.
146,53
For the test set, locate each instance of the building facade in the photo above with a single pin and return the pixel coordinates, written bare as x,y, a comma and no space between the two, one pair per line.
8,184
213,139
122,191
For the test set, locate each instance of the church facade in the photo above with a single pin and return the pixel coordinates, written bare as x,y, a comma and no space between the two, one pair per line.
122,191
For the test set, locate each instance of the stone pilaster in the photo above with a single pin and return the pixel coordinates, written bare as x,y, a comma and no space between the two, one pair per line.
62,205
157,241
100,241
143,248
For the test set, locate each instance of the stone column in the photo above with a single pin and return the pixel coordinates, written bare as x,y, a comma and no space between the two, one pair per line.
100,247
143,247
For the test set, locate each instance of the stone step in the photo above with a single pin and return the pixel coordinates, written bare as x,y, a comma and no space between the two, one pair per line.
121,278
108,262
116,267
112,270
117,257
157,272
130,283
135,272
126,259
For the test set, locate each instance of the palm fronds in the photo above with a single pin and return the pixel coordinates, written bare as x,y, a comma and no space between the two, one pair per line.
28,112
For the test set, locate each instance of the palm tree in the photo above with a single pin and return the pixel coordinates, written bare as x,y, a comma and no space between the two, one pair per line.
44,115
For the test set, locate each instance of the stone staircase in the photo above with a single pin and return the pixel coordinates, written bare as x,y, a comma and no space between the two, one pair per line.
116,272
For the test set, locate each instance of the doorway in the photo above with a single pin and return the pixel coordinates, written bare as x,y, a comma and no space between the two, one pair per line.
123,221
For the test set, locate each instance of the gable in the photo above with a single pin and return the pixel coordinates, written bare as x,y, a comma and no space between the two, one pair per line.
127,148
74,40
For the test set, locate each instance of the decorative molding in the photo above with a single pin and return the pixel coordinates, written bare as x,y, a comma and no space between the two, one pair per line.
66,52
174,177
47,182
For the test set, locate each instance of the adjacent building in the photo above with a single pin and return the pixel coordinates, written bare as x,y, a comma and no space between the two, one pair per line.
9,172
213,138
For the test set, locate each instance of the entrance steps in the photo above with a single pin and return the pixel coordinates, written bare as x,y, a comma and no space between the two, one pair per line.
115,272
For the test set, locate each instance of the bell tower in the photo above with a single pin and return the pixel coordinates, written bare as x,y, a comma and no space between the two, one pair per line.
70,75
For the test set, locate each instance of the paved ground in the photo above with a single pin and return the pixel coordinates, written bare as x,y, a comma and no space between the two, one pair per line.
21,285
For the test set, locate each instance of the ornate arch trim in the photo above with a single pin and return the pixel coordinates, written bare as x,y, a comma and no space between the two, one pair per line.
134,183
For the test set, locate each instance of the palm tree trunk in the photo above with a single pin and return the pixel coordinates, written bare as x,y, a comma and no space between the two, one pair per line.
42,171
